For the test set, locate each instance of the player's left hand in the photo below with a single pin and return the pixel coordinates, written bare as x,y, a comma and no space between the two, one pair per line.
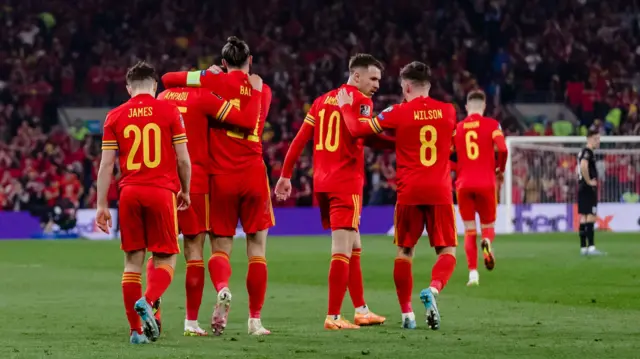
344,98
215,69
103,219
499,177
184,201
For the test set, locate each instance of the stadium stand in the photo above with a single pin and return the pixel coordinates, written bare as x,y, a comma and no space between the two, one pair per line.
59,53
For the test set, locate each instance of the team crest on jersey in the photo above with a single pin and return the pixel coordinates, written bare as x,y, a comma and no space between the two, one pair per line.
365,110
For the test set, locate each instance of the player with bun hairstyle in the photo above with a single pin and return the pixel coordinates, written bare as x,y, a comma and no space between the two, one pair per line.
238,176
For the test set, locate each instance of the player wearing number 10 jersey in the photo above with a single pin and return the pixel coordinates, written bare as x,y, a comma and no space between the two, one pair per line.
200,109
239,184
476,139
145,131
424,129
338,178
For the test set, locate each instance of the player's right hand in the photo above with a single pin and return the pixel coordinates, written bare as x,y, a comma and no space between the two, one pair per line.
344,98
256,82
103,219
283,189
184,201
593,183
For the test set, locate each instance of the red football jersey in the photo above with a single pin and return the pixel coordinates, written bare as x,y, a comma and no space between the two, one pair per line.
232,149
338,158
198,106
144,130
475,139
424,129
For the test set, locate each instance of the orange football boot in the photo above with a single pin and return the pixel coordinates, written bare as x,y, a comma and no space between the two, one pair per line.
337,324
369,318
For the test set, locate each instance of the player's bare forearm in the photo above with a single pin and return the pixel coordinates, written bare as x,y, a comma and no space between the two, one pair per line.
584,169
248,117
184,166
104,176
358,127
295,150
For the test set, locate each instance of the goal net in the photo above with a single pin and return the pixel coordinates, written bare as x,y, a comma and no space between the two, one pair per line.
541,184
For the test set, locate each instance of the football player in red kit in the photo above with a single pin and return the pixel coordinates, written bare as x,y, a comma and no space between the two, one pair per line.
476,141
424,130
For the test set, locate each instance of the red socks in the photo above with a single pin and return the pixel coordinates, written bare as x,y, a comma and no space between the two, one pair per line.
471,249
442,271
489,233
131,292
256,285
356,286
338,282
219,270
158,281
194,286
403,277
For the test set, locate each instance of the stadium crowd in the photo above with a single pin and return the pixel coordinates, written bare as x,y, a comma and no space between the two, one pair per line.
59,53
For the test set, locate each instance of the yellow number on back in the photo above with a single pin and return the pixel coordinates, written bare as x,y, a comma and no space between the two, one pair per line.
237,133
428,145
332,140
472,146
144,137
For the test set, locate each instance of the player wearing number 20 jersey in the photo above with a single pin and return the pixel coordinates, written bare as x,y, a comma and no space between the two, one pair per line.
424,129
150,137
144,131
477,138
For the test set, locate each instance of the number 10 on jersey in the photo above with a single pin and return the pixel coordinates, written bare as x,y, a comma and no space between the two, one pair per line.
331,139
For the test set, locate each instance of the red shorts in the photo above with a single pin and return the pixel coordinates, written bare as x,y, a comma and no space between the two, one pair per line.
340,210
195,219
411,220
482,201
148,220
244,196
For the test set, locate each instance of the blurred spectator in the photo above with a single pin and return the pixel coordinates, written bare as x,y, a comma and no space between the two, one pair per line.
53,53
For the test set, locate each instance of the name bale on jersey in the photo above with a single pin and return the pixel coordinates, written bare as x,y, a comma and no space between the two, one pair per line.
424,115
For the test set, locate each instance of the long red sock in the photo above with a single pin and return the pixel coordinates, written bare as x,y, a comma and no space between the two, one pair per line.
338,282
256,285
489,233
471,249
219,270
403,277
158,281
442,271
194,286
356,285
131,292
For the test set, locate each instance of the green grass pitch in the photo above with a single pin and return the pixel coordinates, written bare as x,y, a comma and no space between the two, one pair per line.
62,299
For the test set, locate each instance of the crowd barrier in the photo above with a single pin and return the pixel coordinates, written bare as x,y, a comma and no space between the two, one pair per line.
530,218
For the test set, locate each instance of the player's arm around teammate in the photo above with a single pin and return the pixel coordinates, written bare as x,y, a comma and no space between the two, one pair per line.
147,200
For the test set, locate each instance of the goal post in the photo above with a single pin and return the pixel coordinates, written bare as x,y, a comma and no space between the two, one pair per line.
541,176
